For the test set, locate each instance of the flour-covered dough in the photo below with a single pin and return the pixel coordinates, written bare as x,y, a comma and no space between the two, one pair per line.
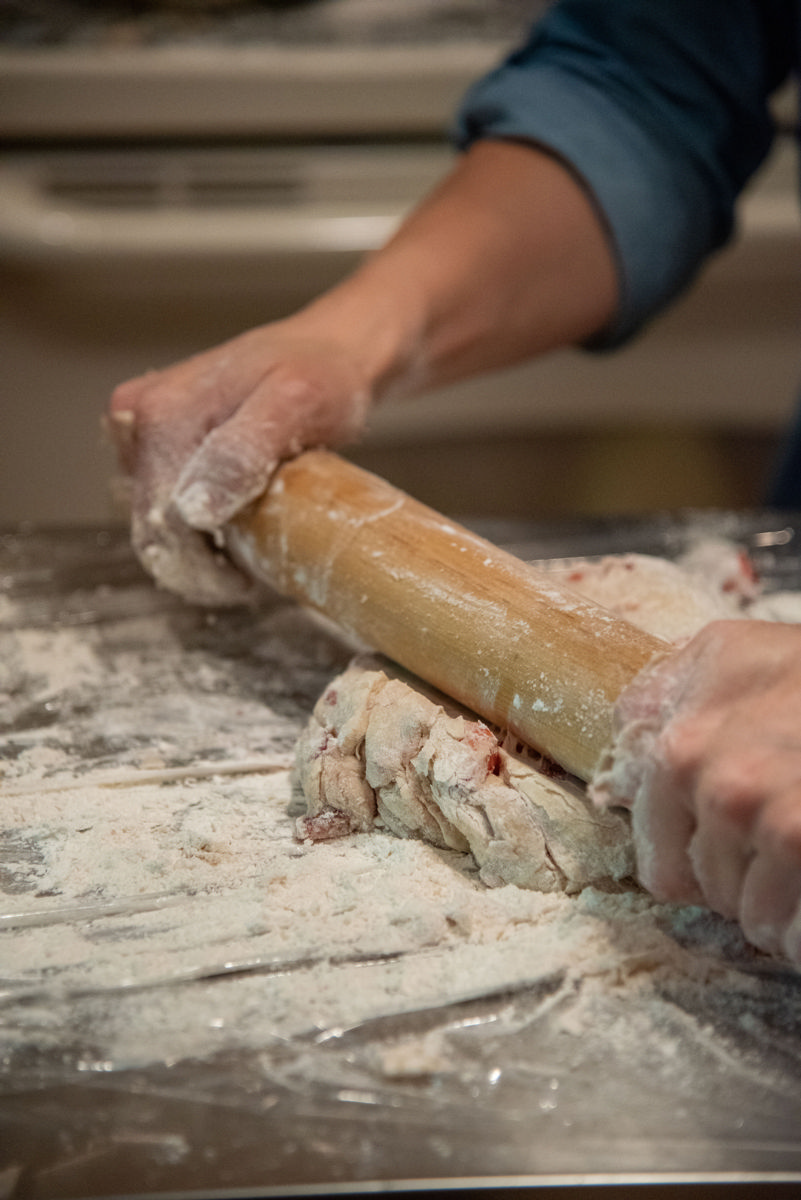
384,749
673,600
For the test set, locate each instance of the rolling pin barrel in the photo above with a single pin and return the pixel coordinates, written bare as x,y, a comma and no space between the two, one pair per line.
520,650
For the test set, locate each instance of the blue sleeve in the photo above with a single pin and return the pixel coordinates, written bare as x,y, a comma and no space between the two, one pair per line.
660,107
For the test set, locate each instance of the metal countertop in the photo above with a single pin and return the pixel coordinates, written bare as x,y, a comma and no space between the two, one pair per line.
713,1098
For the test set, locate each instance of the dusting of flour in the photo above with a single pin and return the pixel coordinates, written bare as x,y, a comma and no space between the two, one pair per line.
156,906
175,921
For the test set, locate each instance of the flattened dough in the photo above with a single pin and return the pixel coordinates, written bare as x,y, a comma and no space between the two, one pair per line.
382,749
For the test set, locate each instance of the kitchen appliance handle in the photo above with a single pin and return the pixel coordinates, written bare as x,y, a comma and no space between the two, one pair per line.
37,230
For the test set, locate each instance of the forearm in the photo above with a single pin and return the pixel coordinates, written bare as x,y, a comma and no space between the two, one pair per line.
505,260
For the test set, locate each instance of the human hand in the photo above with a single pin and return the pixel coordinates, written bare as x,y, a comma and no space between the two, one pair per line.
707,755
202,438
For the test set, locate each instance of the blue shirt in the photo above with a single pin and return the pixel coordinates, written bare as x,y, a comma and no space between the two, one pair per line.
661,108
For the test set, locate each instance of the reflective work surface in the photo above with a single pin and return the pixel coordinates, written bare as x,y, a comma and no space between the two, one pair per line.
191,1002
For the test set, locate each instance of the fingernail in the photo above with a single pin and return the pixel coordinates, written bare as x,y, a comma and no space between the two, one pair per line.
119,427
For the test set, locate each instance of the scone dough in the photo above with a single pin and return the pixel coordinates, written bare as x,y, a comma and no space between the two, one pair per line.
383,749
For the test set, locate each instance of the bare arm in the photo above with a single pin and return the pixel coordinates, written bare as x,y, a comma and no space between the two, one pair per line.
506,259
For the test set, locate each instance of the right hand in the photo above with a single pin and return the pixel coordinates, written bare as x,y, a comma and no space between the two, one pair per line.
707,755
201,439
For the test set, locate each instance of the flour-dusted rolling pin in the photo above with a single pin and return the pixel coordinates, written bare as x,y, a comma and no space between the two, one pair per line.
517,648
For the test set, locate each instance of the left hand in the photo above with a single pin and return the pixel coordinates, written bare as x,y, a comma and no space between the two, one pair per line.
707,755
201,439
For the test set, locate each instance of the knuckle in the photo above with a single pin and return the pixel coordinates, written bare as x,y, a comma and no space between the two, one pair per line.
719,636
680,749
778,831
727,783
732,791
298,387
725,778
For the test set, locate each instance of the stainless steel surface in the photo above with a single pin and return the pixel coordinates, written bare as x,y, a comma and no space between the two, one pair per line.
712,1097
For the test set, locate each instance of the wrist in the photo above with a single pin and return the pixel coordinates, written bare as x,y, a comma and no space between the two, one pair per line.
373,319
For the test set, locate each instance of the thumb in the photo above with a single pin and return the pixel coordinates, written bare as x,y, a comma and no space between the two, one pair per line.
230,468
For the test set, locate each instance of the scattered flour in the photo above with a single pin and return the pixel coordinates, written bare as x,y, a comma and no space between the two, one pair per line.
173,918
134,894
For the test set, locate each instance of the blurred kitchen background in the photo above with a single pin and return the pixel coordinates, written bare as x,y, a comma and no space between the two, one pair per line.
172,173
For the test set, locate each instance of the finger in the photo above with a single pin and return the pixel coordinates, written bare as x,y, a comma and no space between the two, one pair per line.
792,938
119,427
727,776
663,828
720,859
770,900
185,562
772,887
121,422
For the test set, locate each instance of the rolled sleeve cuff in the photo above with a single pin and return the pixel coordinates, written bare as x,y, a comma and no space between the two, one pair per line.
659,210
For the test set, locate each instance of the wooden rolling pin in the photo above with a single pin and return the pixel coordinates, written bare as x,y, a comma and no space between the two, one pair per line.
520,650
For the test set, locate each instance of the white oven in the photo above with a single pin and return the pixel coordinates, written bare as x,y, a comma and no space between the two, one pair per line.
170,178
